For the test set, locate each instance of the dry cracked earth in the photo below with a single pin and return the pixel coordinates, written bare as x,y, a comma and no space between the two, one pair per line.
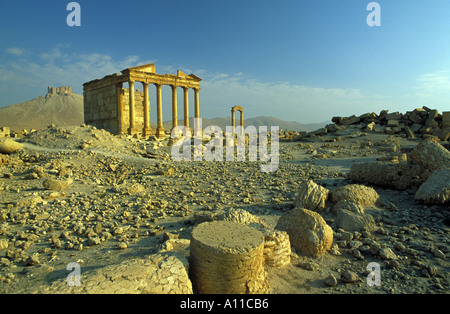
123,203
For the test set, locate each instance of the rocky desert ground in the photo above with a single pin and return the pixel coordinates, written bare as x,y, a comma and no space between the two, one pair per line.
115,204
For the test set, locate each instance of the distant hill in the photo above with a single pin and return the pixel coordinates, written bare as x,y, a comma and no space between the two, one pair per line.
257,122
64,108
59,106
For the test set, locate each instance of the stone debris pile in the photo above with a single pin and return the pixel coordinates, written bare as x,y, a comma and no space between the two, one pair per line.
419,123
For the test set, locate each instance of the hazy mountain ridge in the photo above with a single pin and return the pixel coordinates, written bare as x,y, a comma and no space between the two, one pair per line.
256,121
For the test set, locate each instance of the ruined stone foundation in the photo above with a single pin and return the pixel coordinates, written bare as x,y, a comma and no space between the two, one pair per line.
227,258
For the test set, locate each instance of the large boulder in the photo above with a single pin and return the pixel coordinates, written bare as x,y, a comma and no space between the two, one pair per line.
129,188
354,221
311,196
307,230
436,189
349,205
57,185
357,193
431,155
9,146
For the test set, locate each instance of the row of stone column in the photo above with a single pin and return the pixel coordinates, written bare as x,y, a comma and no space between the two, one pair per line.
160,129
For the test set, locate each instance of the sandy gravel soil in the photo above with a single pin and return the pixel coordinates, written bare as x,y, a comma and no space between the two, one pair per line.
122,202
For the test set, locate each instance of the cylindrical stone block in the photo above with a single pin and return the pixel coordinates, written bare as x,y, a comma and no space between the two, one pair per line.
227,258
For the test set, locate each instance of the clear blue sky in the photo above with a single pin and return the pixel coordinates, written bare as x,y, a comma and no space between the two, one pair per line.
296,60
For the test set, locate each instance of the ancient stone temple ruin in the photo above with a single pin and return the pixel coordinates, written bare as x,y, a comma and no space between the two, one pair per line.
109,106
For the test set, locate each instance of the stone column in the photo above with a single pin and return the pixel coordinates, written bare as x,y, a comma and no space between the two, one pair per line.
227,258
120,126
242,121
132,127
174,107
186,106
233,123
159,129
146,130
197,130
232,118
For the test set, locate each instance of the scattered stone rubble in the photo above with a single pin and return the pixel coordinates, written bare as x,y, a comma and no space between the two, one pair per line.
71,194
156,274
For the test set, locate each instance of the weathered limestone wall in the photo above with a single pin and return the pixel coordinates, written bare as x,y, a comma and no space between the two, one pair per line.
101,107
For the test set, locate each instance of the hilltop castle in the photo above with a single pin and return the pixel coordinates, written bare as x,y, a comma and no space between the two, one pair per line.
62,91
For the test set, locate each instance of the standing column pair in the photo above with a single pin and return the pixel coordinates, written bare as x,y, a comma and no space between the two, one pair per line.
132,110
233,120
196,107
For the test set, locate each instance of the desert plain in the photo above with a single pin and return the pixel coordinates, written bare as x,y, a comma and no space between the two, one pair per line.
121,209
